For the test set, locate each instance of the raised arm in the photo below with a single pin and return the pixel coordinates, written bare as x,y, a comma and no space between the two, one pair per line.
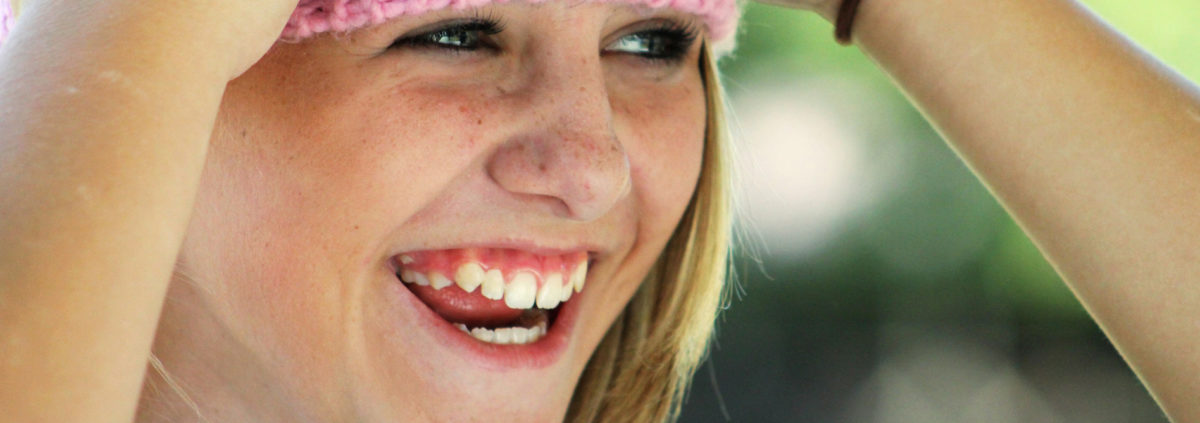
1089,142
106,108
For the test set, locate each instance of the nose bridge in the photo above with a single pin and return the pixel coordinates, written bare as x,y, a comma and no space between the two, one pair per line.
570,84
567,149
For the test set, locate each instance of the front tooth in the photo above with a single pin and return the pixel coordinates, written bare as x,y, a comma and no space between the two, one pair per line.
578,276
406,259
461,327
503,335
550,294
520,335
484,334
439,281
420,279
469,276
493,285
408,276
520,293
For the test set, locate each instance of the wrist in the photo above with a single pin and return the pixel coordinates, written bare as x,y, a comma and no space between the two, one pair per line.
827,9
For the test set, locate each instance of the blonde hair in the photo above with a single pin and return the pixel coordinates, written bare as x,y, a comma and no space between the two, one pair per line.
643,367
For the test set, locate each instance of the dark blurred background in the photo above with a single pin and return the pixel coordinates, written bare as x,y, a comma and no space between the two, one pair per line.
878,280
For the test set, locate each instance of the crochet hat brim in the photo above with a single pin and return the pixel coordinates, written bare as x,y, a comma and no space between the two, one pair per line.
312,17
316,16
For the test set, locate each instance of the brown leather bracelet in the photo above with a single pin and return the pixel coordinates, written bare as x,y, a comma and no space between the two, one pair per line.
845,20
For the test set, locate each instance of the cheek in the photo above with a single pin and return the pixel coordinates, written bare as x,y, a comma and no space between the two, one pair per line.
358,160
300,187
667,144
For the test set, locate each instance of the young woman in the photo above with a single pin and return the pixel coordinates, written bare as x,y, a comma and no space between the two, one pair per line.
521,166
509,211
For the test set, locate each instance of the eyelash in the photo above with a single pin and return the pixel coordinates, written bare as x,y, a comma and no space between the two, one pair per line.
670,39
477,27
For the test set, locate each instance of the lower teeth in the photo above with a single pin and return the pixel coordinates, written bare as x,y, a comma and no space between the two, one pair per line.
516,335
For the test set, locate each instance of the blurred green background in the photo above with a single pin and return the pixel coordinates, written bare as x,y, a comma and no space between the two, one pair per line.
878,280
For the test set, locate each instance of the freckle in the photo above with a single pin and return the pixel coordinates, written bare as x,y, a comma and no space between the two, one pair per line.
479,122
243,133
542,167
462,108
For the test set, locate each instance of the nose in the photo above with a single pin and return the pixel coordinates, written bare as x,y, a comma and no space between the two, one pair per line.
567,152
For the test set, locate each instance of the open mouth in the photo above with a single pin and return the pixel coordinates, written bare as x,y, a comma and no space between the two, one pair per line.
495,295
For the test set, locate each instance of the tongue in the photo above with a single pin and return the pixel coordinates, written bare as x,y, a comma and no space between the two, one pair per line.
472,309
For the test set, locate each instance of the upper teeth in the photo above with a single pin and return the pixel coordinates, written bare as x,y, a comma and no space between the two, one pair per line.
520,292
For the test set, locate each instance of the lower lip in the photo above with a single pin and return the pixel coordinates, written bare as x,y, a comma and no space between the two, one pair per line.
535,355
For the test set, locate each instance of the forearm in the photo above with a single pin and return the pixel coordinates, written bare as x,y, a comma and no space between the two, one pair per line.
102,140
1092,145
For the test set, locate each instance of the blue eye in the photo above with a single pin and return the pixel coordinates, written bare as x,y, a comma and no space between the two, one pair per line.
668,41
468,35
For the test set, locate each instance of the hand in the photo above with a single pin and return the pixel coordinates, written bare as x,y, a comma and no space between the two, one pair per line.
826,8
237,32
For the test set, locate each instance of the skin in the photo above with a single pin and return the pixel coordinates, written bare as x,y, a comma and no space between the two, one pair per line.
377,152
1084,138
88,180
330,156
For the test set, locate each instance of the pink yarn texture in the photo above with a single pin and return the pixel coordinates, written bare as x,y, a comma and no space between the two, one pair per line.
316,16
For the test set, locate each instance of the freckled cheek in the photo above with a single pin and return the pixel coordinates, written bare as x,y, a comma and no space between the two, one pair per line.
403,144
443,126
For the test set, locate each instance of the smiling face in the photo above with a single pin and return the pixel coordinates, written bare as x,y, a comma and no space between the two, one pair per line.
525,140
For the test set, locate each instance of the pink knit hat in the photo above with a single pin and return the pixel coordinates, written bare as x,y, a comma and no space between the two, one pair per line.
316,16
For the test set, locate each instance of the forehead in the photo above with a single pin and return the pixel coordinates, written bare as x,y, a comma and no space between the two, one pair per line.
312,17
